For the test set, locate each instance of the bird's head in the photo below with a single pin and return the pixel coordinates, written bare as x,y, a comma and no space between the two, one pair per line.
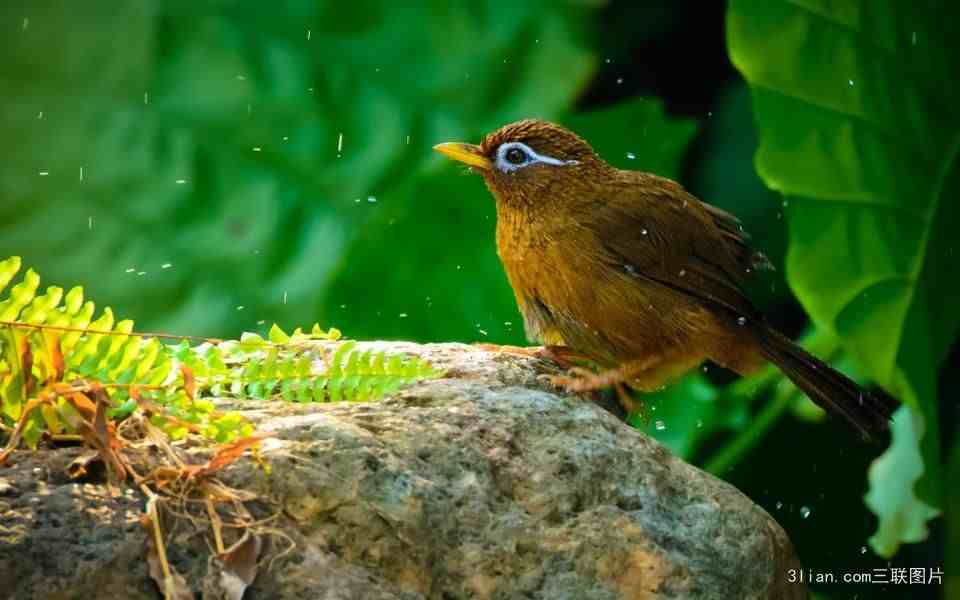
530,162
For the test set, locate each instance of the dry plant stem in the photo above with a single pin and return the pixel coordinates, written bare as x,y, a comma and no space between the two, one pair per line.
216,525
170,336
169,585
146,334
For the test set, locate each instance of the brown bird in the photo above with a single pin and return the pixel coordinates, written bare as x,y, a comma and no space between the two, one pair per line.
631,271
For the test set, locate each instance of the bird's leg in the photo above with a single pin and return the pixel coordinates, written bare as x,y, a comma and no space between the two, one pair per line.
562,355
531,351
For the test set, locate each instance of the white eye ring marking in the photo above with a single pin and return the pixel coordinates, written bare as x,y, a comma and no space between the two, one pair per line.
532,157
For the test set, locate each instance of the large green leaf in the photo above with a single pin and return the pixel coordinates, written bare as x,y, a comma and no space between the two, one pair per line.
185,160
414,271
856,107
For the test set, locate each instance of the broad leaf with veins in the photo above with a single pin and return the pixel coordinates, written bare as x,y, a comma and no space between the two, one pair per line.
856,108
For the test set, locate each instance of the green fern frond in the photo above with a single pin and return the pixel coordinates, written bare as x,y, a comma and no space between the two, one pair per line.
54,335
267,369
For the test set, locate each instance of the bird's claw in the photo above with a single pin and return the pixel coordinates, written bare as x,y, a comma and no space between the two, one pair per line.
577,380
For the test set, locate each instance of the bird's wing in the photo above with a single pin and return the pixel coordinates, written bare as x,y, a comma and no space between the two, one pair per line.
662,235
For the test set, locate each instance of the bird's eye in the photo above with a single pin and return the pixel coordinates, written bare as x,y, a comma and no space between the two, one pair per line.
516,156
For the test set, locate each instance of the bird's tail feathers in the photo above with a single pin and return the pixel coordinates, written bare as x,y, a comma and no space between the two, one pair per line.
868,412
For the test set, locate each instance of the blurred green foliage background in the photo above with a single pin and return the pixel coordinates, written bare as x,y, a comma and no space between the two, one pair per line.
213,167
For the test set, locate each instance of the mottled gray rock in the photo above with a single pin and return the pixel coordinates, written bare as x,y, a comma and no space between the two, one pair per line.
483,484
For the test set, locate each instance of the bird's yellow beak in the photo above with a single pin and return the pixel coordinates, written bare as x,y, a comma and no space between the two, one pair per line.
466,153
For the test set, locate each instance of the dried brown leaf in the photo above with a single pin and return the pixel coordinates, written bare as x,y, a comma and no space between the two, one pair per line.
225,455
51,341
26,363
101,434
237,568
189,382
79,466
17,433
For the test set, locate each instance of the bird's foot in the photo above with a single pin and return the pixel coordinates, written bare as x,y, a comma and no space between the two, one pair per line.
583,381
587,384
580,380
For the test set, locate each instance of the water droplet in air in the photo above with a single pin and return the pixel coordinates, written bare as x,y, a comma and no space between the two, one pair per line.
913,38
631,155
660,425
26,23
805,512
779,505
863,549
372,199
742,321
850,81
619,80
256,148
309,33
644,232
683,272
699,423
340,143
130,270
181,181
241,307
608,61
44,173
166,265
403,315
284,297
40,115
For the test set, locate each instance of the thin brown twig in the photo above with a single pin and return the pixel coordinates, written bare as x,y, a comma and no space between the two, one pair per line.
168,582
172,336
216,524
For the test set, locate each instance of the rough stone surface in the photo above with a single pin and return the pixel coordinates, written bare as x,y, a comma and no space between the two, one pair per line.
483,484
